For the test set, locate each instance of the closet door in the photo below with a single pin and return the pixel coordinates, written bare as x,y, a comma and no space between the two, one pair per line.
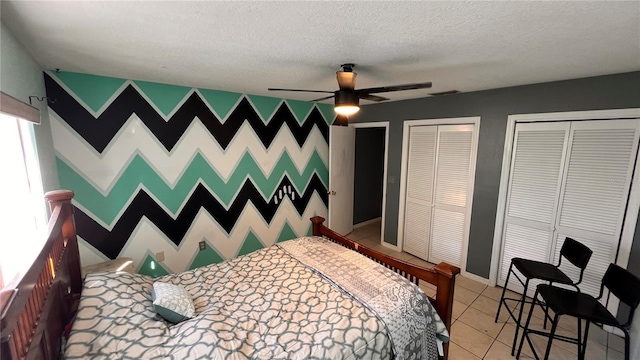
597,179
453,164
532,199
419,198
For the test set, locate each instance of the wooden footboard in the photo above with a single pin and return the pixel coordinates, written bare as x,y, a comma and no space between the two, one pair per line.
443,275
34,312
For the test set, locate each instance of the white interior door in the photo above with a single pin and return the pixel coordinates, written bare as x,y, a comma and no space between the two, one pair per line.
534,185
568,179
452,183
341,173
438,191
595,189
419,200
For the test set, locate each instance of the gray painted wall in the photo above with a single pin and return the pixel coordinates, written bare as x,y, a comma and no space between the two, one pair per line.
369,171
21,77
493,106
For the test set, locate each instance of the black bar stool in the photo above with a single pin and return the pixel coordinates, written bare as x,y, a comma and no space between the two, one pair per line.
577,254
620,282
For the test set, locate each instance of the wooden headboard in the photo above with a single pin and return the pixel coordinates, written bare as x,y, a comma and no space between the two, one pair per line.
35,311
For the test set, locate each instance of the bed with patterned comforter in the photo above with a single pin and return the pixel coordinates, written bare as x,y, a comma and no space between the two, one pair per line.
307,298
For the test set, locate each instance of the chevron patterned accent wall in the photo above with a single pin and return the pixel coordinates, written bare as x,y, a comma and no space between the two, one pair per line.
160,167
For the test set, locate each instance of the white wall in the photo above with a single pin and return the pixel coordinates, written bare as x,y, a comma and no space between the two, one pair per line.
21,77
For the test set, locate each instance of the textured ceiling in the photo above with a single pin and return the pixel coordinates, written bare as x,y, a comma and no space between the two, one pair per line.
249,46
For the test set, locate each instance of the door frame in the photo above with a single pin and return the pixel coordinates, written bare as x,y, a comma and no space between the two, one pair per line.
385,125
633,206
472,120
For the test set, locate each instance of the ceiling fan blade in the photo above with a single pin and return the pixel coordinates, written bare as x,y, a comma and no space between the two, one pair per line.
372,97
402,87
300,90
323,98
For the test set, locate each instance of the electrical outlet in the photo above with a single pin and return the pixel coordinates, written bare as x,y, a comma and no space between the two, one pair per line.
202,245
160,256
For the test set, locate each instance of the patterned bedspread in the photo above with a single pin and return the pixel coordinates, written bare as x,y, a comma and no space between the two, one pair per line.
301,299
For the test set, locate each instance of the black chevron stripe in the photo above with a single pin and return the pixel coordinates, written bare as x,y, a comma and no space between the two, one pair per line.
111,242
99,132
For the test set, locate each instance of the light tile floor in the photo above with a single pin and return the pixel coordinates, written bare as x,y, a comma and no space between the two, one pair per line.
474,335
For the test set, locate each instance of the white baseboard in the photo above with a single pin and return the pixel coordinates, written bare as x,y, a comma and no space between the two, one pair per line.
475,277
364,223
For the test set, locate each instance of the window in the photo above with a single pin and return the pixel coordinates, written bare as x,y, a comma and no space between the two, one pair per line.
23,209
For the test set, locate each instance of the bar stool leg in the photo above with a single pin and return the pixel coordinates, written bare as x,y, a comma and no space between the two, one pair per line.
582,354
546,313
519,322
504,290
627,344
525,330
579,342
554,325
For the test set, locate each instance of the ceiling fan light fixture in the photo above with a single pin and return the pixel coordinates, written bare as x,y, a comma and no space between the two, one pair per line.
347,110
347,103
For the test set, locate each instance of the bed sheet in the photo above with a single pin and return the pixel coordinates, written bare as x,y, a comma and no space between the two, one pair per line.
271,304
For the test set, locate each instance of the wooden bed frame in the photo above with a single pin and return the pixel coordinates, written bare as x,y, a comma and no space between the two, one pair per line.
35,311
443,275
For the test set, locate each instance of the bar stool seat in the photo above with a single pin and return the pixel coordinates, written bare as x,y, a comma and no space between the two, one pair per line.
542,271
572,303
576,253
620,283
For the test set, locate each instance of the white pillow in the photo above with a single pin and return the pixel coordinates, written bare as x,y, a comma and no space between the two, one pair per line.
172,302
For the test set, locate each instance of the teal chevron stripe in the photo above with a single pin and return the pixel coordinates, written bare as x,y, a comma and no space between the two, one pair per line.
152,268
164,97
221,101
287,233
140,172
96,90
250,244
327,111
93,90
206,257
299,108
265,105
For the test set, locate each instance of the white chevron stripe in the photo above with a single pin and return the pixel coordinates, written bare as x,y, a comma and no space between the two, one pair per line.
103,170
147,238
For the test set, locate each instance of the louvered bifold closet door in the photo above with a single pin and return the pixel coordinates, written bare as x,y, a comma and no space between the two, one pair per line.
453,170
532,199
419,199
597,179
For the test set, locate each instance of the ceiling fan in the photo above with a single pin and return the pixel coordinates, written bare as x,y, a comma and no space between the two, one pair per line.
347,98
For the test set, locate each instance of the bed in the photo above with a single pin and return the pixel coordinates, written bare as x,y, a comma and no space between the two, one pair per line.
36,311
